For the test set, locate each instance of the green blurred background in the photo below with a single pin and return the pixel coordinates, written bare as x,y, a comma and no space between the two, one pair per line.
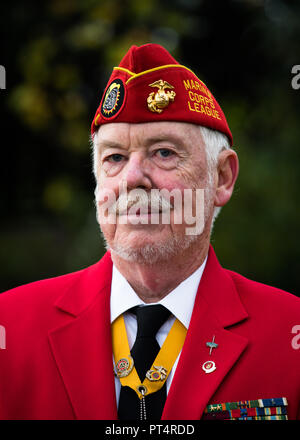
58,56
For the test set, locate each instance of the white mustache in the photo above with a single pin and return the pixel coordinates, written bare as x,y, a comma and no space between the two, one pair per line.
142,201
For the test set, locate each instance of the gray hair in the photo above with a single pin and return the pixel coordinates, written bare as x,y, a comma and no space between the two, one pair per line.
214,141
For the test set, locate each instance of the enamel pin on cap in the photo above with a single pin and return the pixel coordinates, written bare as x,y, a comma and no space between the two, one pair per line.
113,99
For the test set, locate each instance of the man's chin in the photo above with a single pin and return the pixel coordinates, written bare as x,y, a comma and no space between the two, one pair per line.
154,252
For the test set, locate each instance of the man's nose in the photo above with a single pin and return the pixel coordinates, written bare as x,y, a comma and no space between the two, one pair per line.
136,173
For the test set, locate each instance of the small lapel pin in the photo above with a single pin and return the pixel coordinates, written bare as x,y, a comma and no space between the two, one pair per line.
209,366
211,345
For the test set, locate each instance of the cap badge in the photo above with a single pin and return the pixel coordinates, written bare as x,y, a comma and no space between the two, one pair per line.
113,99
161,99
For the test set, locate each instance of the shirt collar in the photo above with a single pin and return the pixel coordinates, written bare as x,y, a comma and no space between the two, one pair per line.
179,302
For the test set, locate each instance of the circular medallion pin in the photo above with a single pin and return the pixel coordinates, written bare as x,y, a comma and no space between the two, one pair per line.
209,366
160,373
113,99
124,367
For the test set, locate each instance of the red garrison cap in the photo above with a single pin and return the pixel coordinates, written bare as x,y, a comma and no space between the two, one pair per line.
149,85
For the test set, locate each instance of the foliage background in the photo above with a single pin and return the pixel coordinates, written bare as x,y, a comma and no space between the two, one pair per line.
58,56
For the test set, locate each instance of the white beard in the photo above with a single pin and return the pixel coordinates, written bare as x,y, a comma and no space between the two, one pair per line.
152,253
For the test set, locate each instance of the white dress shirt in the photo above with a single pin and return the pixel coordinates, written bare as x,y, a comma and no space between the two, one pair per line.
180,302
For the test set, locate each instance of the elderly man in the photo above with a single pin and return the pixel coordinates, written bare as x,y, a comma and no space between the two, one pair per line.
157,328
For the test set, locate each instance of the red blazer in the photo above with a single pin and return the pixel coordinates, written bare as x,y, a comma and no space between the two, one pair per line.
57,363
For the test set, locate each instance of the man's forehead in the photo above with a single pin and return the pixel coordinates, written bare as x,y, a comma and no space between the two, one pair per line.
178,132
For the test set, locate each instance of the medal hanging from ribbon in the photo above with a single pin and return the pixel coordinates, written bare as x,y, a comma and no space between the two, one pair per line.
161,367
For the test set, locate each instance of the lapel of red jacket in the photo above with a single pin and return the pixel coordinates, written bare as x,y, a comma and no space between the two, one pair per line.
217,306
82,345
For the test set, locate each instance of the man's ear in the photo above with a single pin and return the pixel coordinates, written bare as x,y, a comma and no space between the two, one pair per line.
227,173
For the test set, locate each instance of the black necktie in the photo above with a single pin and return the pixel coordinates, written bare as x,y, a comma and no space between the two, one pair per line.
144,352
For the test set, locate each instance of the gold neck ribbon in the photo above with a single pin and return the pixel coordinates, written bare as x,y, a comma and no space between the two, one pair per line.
162,364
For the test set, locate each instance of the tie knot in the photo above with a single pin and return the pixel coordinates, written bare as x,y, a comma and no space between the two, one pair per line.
150,319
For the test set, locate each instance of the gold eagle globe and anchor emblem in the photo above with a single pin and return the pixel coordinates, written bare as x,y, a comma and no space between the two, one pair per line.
161,99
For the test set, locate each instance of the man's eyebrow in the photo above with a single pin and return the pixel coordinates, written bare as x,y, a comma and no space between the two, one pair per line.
177,140
104,144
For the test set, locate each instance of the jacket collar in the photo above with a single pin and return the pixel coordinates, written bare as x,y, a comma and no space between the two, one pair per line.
218,290
87,285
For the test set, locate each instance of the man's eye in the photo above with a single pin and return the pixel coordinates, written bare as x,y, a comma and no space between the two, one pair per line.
114,158
164,153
